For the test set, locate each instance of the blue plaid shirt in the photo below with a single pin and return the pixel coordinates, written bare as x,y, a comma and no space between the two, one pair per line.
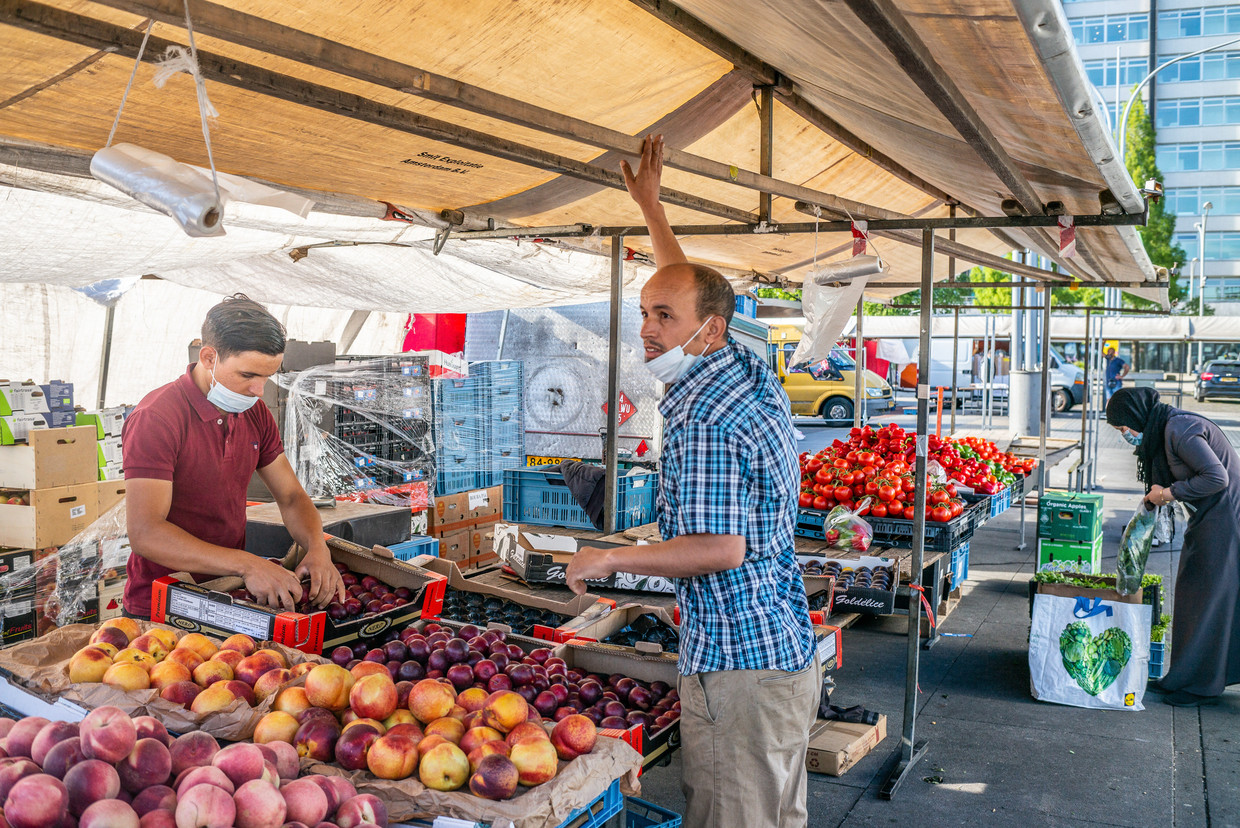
729,467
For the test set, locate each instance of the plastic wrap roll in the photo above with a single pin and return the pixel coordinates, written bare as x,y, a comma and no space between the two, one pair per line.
850,269
163,184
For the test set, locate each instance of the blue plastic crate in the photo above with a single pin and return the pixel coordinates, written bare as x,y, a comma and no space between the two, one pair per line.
747,306
609,803
416,545
960,565
1158,651
459,432
639,813
455,472
540,497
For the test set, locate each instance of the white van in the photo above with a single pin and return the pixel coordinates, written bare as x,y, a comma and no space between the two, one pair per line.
1067,380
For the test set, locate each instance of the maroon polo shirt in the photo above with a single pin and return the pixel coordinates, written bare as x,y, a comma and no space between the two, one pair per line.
175,434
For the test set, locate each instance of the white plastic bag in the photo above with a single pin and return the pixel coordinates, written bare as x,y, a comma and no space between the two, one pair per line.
1089,652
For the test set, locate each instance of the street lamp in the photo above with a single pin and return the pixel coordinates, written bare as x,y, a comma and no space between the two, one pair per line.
1123,124
1201,252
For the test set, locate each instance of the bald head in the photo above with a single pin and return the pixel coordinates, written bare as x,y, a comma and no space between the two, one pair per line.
678,300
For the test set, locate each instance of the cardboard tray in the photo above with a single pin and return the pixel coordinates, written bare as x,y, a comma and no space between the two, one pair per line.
598,627
543,558
864,600
209,608
836,746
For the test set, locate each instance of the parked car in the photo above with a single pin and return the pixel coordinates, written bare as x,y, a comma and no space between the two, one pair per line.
826,388
1221,378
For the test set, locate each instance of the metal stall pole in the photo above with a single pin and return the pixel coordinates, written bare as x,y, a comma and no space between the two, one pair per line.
1086,455
955,358
611,454
1046,387
910,750
859,384
105,358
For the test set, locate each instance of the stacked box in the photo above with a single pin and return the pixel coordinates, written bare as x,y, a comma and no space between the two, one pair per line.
463,522
108,424
479,426
28,406
1070,532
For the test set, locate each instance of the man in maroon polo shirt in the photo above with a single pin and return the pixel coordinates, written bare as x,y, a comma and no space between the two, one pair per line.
190,449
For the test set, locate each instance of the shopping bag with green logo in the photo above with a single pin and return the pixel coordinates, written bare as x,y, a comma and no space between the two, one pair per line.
1088,652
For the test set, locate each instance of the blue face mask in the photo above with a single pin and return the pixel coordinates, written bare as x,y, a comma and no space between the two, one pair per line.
228,400
1133,439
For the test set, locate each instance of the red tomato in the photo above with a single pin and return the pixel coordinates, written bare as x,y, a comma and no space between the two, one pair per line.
843,493
940,514
886,492
907,485
871,488
910,512
957,508
805,501
858,490
819,502
879,509
822,476
939,496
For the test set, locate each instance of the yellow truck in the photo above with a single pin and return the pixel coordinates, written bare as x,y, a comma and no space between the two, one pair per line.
825,388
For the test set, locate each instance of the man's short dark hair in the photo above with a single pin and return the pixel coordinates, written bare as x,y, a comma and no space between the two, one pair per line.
240,324
715,296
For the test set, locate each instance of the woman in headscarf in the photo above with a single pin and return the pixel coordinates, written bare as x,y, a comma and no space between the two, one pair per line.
1184,456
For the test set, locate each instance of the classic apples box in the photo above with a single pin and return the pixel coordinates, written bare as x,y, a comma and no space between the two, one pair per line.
538,557
860,599
212,608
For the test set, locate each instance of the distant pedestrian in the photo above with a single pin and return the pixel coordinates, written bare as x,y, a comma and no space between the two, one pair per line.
978,369
1117,369
1184,456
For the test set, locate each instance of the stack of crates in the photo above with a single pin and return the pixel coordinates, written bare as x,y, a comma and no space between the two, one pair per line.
479,427
1070,532
502,383
387,447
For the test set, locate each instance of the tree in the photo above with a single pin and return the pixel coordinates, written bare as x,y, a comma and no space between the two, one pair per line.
1157,234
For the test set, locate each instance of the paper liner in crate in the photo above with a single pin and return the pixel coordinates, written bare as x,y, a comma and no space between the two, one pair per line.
548,805
42,666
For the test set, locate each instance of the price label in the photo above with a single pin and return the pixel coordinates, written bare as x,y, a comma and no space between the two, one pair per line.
253,622
478,499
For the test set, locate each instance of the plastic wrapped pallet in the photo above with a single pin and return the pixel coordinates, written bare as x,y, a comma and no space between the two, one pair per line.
479,426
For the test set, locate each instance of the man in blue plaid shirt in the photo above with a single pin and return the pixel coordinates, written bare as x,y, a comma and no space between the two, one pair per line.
750,681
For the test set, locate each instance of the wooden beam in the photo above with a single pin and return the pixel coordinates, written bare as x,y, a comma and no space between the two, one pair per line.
98,34
264,35
891,29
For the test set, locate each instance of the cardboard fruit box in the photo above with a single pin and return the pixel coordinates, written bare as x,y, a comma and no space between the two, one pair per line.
836,746
51,458
46,517
543,558
210,608
602,626
864,600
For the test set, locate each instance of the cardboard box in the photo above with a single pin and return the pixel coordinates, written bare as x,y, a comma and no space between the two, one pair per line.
365,524
111,473
109,453
599,626
442,365
51,458
452,513
16,428
47,610
830,642
1067,556
17,622
210,608
51,517
107,422
542,558
455,547
22,397
111,595
14,560
108,493
1070,516
864,600
836,746
59,395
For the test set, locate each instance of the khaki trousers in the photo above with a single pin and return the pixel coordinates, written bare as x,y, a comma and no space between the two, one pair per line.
743,735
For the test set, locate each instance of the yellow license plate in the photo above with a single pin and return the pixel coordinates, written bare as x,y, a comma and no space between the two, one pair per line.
534,460
1226,379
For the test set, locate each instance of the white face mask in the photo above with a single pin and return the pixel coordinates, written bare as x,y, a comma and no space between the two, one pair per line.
227,399
673,364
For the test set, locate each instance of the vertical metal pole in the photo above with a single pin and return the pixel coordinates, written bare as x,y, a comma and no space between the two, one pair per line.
910,751
766,147
105,359
859,384
1046,387
611,455
956,356
1086,453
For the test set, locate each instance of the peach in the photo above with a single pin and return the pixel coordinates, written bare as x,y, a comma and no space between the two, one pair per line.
109,635
241,690
155,798
472,698
447,727
88,665
151,644
149,727
14,770
193,750
136,656
169,672
203,776
149,764
166,637
109,813
213,698
430,700
475,719
199,644
127,675
459,713
369,668
205,806
377,725
89,781
399,716
186,658
292,700
305,802
337,789
393,757
427,742
362,810
444,768
353,745
22,735
230,657
159,819
106,647
36,801
316,738
346,717
108,734
276,726
504,710
535,759
259,805
525,731
251,668
486,749
407,728
270,682
477,737
301,669
373,697
127,625
276,654
209,672
240,642
63,756
495,777
287,762
240,762
328,686
182,693
48,737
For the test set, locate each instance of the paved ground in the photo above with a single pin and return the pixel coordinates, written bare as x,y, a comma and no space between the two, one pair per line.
998,756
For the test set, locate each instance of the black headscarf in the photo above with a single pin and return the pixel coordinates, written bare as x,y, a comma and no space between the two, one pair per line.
1140,410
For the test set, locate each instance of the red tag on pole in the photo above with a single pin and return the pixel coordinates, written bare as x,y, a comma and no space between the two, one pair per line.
859,236
1067,236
